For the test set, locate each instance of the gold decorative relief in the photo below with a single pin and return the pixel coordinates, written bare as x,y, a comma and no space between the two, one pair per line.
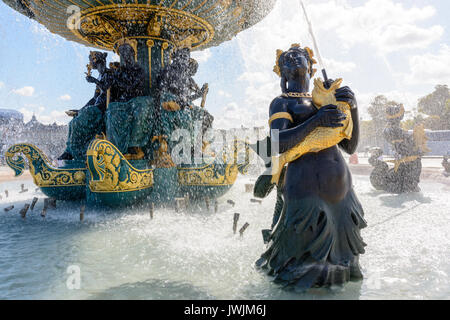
105,25
111,172
43,173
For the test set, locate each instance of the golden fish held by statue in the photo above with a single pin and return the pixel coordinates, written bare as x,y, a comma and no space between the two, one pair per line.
322,137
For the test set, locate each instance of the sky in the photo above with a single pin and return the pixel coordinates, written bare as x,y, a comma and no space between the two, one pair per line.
399,48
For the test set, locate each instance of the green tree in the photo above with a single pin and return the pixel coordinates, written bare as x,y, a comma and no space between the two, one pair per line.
437,106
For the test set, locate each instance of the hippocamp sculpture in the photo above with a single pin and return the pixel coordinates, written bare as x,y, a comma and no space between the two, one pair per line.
408,151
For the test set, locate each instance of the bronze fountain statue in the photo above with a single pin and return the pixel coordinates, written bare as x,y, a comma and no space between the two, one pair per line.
408,151
316,240
120,149
89,121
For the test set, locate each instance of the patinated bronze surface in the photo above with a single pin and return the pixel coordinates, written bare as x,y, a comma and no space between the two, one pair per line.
316,241
408,150
89,121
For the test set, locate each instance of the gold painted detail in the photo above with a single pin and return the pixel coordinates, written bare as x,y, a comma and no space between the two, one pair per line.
43,173
280,115
150,44
171,106
218,174
397,115
420,139
162,156
111,172
310,53
296,95
322,137
103,26
398,162
208,176
131,42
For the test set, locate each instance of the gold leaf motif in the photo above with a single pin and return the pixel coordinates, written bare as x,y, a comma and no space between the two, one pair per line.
111,172
43,173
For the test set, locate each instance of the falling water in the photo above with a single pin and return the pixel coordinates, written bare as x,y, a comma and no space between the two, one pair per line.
195,255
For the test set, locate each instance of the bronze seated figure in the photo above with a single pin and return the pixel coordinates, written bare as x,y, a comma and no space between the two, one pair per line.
89,121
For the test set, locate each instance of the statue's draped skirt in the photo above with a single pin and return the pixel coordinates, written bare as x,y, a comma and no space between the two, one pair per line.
129,124
82,129
316,243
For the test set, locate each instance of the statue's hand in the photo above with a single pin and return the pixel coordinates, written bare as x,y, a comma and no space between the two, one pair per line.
204,88
91,79
345,94
330,116
327,84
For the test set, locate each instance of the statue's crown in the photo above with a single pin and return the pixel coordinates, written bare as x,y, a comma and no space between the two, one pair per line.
395,112
122,41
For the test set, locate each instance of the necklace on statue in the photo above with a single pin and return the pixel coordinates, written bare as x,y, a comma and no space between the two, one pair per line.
296,95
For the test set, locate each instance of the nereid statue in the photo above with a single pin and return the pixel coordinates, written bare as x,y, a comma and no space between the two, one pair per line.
408,150
316,241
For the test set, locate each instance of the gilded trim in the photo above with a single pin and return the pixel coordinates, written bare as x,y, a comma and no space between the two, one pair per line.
137,13
110,172
397,163
164,46
397,115
43,173
280,115
150,44
215,174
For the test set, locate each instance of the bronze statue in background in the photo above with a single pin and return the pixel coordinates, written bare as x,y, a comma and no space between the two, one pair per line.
408,149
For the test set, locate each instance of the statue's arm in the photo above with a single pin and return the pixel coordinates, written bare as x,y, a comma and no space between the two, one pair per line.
350,145
345,94
198,93
106,81
288,136
282,131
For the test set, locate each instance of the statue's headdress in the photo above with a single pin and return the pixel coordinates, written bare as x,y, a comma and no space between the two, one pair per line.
395,112
309,54
97,55
131,42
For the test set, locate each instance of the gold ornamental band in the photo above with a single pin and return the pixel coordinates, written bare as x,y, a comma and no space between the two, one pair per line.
280,115
133,9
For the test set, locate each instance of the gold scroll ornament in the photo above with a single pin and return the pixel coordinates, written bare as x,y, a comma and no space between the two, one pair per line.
320,138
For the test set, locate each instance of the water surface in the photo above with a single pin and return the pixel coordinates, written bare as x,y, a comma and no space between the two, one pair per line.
195,255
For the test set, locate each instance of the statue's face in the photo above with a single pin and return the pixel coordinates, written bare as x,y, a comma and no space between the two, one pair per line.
126,53
294,64
95,59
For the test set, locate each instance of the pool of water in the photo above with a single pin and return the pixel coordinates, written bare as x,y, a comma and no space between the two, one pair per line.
195,255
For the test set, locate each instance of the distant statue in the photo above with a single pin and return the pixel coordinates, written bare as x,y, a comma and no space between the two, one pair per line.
177,92
408,151
316,241
89,121
129,113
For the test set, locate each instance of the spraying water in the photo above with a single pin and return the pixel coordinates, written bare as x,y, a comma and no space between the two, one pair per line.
195,255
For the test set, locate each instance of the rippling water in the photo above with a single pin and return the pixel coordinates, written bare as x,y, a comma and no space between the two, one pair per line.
195,255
